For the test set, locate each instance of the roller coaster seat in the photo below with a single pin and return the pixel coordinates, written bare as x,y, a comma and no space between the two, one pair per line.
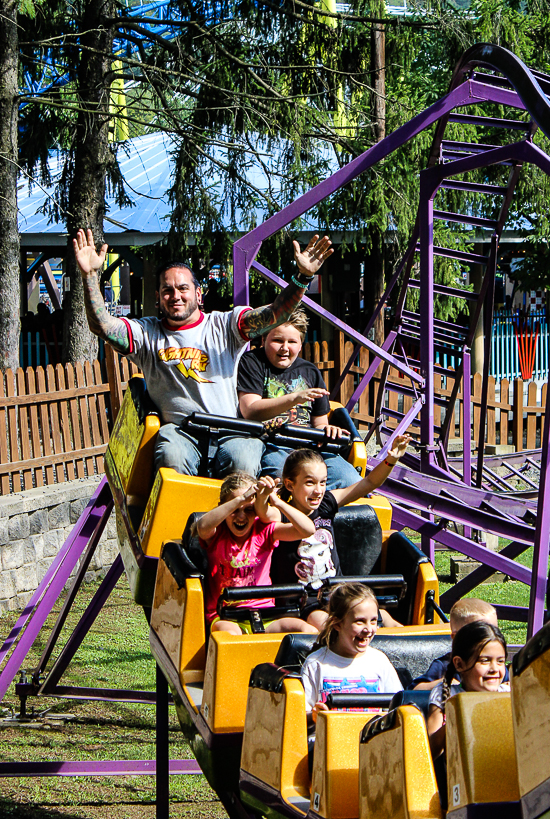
275,722
482,776
156,511
531,718
364,548
396,772
410,654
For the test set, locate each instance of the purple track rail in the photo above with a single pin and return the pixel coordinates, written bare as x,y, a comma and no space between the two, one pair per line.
475,81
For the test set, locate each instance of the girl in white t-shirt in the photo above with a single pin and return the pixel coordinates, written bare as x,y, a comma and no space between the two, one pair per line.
346,662
479,656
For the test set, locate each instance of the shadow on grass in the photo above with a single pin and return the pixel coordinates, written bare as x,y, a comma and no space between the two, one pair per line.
12,810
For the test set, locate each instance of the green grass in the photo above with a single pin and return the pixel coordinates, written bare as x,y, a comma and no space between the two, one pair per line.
116,654
507,593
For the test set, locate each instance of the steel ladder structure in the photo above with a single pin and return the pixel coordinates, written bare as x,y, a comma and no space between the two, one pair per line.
471,496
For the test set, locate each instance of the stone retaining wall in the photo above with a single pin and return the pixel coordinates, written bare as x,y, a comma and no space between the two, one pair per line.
33,526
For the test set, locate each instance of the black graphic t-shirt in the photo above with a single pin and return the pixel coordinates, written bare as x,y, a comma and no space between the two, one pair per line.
258,376
312,559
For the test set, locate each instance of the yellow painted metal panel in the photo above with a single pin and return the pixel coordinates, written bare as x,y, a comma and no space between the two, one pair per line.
229,662
381,776
125,439
397,778
141,476
481,758
426,581
294,762
531,717
173,498
275,739
335,775
263,736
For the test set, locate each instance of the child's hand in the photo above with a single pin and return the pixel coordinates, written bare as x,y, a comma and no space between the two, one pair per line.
266,485
309,394
334,432
319,706
246,496
399,446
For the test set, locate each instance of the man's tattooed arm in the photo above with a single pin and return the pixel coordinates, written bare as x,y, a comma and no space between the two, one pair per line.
259,321
110,329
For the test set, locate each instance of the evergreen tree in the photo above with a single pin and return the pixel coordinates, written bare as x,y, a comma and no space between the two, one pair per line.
9,235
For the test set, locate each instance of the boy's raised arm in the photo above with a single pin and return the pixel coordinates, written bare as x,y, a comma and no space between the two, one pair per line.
255,408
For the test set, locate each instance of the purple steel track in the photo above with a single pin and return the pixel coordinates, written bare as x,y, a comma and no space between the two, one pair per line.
517,89
127,767
89,526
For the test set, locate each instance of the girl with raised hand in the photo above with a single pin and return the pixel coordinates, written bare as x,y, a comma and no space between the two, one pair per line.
239,537
314,558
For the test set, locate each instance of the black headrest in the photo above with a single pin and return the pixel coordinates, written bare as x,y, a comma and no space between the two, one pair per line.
293,650
185,558
377,725
141,398
191,545
412,654
402,555
269,677
358,537
340,417
419,698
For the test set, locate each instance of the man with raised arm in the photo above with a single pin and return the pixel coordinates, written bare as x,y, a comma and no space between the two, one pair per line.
189,358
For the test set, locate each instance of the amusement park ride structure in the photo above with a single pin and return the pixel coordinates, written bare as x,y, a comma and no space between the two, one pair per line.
473,496
429,493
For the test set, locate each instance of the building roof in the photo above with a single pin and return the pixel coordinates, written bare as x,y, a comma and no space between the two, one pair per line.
146,166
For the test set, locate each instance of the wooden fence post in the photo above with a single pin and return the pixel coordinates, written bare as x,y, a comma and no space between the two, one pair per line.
113,376
518,415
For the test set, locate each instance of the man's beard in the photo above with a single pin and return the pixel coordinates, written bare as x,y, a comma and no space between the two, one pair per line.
180,317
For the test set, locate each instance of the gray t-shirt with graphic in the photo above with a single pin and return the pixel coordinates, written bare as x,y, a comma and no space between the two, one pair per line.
192,369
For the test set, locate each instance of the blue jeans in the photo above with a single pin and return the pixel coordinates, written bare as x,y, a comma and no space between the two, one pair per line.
340,473
176,449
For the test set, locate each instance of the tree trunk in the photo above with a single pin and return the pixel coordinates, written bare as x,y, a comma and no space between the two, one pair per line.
92,159
9,233
374,270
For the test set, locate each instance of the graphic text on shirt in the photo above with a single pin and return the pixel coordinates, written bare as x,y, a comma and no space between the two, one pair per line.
189,361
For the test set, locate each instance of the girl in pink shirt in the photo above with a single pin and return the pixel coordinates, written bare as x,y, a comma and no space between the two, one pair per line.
239,536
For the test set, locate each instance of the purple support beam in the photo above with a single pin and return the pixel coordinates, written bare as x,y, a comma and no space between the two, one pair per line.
542,539
341,325
127,767
401,428
497,562
93,518
467,93
427,191
86,621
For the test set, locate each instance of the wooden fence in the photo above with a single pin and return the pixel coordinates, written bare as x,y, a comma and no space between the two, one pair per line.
55,422
515,419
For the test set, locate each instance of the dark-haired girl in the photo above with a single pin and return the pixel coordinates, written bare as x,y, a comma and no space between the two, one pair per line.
479,656
314,558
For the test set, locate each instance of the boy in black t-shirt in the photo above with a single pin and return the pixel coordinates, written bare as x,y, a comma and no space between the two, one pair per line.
273,382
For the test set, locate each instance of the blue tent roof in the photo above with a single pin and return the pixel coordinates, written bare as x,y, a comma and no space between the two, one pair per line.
146,167
146,163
